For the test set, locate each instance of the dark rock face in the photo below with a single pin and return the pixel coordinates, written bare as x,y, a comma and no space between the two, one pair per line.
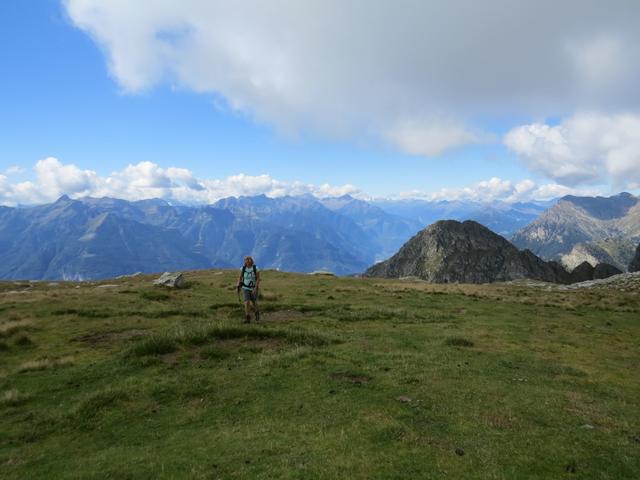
604,270
467,252
585,272
582,273
634,266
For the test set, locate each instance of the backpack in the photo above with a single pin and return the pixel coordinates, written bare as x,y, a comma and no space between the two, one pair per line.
255,275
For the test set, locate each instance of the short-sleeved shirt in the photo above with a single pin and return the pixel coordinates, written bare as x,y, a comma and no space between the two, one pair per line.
249,279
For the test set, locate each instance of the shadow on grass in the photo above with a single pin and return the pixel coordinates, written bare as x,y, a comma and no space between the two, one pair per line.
172,340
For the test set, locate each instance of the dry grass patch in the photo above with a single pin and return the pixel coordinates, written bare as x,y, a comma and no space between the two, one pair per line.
45,364
13,398
14,326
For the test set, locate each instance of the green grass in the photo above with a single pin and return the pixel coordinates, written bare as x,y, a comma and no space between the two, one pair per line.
342,378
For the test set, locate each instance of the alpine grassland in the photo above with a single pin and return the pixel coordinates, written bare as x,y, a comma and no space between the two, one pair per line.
342,378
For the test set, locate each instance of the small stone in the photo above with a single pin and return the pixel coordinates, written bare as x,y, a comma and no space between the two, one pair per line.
403,399
459,451
586,426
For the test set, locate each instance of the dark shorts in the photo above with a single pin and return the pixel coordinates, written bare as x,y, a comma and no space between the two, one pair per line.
248,295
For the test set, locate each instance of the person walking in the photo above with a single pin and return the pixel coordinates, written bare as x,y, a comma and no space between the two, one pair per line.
248,283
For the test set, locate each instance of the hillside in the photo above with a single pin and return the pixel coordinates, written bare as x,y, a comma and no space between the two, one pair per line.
344,378
582,220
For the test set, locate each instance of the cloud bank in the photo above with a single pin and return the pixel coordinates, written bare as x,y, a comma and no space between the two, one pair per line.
148,180
585,148
378,69
498,189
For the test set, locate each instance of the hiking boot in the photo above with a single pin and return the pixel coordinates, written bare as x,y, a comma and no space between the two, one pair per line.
247,319
257,316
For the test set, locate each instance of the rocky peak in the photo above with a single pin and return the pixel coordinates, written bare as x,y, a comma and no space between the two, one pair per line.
466,252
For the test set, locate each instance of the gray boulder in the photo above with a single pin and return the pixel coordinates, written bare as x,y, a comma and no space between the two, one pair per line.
171,280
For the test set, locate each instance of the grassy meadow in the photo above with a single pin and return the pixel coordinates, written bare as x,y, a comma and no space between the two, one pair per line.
342,378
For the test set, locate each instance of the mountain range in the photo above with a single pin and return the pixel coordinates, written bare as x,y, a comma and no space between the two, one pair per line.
592,229
92,238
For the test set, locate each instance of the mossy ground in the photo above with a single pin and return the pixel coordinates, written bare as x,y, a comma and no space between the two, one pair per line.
343,378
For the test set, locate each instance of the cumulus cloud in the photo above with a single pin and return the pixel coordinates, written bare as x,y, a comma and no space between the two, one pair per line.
377,68
148,180
585,148
497,189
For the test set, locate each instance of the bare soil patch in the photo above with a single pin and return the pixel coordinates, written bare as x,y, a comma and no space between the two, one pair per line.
281,316
356,379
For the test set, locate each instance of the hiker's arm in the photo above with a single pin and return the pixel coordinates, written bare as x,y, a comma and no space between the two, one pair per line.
257,280
239,280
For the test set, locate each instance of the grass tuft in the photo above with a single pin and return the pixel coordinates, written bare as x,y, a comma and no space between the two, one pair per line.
458,342
96,402
44,364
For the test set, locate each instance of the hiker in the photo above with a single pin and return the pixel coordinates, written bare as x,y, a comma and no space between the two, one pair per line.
248,282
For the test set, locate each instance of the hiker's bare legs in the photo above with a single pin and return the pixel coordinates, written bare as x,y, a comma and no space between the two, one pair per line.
247,311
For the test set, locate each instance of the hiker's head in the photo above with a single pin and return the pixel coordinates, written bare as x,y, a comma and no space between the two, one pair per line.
248,261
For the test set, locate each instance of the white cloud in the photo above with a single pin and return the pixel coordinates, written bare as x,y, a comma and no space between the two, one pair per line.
430,138
360,67
148,180
54,178
497,189
585,148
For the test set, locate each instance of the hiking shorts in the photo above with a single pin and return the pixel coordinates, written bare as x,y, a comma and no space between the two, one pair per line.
248,295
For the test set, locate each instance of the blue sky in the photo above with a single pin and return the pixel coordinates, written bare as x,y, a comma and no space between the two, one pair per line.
64,97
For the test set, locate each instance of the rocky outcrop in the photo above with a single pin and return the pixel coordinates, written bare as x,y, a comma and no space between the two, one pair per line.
634,266
171,280
467,252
